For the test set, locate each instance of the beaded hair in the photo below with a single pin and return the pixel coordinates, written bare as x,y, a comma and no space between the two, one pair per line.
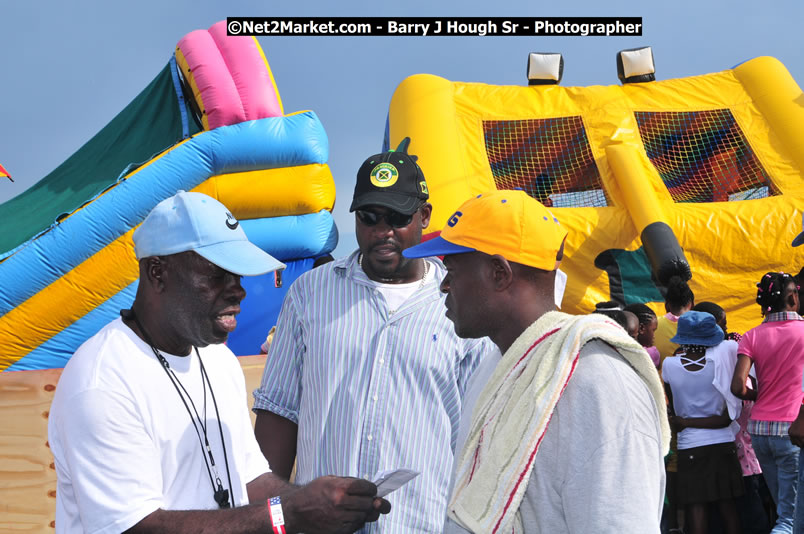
771,291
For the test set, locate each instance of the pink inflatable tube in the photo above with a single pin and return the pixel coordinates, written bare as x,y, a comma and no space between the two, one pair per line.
230,77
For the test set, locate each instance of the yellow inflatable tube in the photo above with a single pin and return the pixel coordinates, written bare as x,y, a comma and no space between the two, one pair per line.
293,190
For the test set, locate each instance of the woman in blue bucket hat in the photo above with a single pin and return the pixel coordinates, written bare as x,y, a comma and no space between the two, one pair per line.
703,410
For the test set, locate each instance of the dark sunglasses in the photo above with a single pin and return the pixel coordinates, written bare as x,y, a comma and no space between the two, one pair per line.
392,218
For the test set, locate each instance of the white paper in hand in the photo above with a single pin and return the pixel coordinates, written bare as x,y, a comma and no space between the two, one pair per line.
393,479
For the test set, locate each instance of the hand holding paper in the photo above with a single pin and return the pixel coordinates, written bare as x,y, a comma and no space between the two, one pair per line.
392,479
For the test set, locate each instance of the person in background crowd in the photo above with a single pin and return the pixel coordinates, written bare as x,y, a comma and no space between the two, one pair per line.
798,278
647,329
614,311
751,505
631,324
797,427
698,380
720,316
775,349
678,300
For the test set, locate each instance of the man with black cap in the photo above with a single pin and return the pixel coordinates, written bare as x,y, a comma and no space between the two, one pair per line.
149,425
365,374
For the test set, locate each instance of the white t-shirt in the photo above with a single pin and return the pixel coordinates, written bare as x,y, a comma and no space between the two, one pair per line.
599,467
396,294
695,394
124,442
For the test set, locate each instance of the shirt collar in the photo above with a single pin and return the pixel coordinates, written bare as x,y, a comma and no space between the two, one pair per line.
782,316
347,264
349,267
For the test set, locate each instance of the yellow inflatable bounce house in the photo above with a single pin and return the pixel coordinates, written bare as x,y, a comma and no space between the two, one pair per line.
716,160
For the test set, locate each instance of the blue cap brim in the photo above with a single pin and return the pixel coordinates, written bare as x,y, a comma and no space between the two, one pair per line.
799,240
240,257
438,246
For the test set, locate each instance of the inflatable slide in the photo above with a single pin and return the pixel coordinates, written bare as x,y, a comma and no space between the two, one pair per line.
211,121
718,159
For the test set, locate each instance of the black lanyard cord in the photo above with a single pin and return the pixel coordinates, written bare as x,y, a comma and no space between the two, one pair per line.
221,495
220,427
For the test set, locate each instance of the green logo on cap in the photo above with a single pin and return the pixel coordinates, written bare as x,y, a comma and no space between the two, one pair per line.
384,175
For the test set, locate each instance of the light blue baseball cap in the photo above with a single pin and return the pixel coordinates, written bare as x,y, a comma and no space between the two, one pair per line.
197,222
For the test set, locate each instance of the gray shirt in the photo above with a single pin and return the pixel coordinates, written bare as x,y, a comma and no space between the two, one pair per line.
599,467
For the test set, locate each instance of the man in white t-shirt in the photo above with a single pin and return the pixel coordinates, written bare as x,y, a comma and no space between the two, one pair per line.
149,425
564,430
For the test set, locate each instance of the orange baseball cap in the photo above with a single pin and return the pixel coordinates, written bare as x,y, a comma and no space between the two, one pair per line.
509,223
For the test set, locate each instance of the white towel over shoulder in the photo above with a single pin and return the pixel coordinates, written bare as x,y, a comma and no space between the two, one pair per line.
494,467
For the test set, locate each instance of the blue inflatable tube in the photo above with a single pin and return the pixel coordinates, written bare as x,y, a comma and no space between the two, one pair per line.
261,144
294,237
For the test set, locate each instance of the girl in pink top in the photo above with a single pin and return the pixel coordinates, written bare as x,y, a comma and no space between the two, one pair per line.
776,349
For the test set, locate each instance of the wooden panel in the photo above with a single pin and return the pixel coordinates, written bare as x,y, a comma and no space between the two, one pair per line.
27,473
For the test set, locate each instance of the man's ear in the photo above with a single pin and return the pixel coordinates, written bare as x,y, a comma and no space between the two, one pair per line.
154,272
501,271
426,211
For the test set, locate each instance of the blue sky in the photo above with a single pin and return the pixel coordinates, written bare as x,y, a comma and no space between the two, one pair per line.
69,68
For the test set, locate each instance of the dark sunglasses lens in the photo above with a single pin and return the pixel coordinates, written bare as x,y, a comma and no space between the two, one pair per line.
398,220
369,218
395,219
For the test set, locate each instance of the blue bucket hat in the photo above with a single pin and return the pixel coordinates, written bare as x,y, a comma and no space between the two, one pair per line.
197,222
698,328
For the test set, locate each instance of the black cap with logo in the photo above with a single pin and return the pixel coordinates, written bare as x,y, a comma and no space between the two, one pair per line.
392,180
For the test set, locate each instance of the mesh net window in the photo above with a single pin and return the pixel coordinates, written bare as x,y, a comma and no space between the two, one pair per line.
550,159
703,156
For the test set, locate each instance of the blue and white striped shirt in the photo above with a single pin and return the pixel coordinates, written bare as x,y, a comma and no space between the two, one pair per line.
370,390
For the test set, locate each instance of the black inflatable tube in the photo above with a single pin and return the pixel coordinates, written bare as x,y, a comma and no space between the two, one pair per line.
664,253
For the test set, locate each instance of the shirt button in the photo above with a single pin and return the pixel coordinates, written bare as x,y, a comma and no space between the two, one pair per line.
369,438
375,398
382,360
366,476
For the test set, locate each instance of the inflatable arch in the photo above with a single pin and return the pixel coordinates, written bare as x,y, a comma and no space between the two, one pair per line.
717,158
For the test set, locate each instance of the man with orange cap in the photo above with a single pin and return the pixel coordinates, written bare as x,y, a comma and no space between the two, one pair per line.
566,431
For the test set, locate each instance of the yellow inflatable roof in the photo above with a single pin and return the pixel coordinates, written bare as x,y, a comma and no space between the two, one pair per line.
717,157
